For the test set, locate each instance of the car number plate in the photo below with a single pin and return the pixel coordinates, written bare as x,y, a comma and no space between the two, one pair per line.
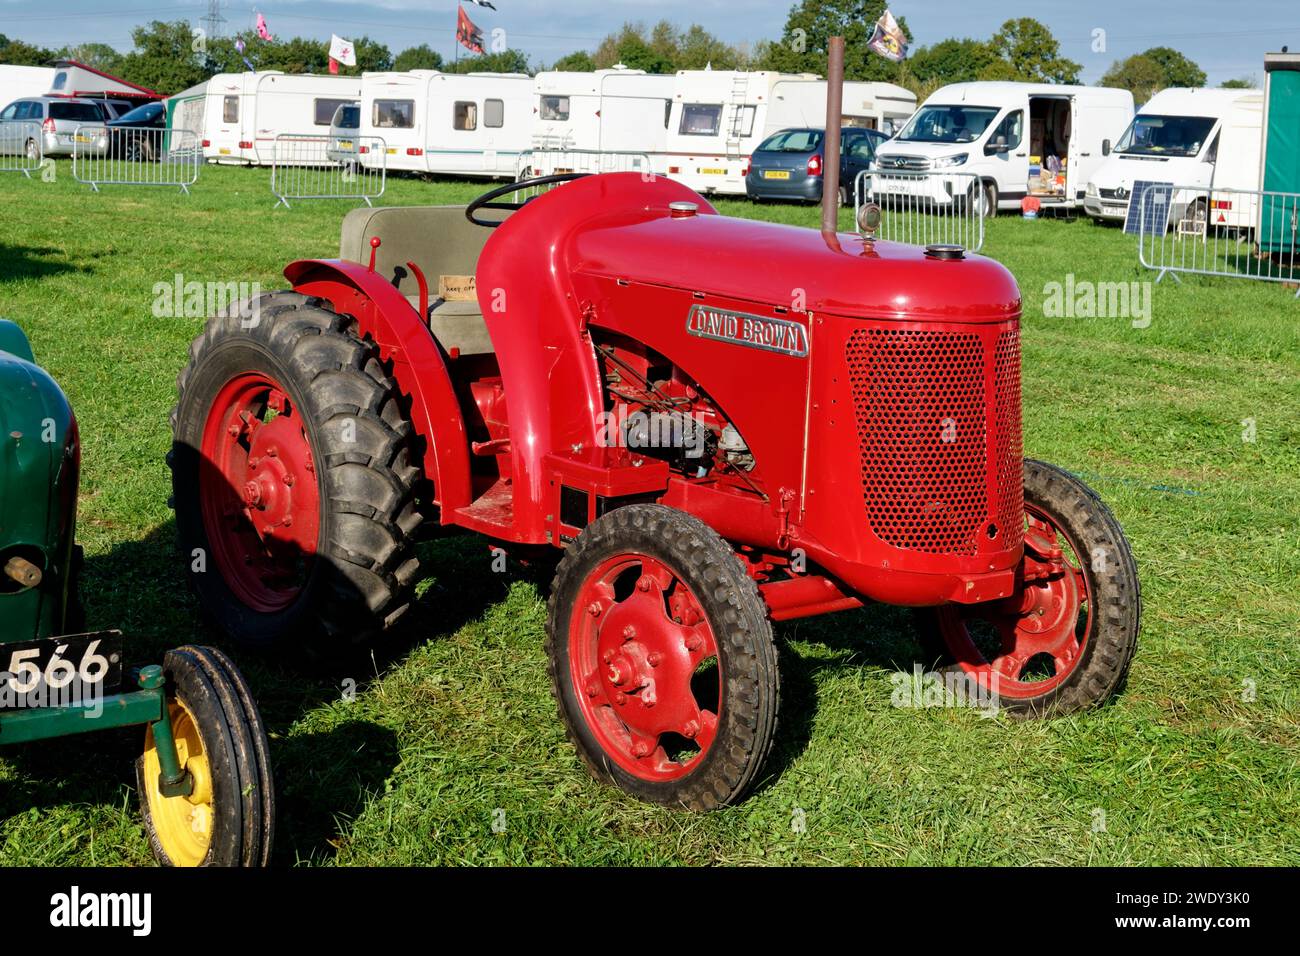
345,144
82,138
223,151
776,174
58,670
714,172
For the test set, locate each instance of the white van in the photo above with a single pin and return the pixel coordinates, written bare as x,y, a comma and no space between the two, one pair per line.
245,112
1189,137
1018,139
612,112
460,124
719,117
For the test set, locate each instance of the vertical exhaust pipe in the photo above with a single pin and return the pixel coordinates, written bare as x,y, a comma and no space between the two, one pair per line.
831,154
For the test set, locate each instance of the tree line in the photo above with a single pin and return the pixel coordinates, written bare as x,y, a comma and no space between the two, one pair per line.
168,57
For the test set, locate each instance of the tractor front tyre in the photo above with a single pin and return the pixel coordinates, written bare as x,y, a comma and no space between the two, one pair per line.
228,817
292,478
662,659
1064,641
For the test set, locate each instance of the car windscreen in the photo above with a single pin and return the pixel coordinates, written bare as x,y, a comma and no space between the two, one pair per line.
792,141
76,112
348,117
141,115
1165,135
948,124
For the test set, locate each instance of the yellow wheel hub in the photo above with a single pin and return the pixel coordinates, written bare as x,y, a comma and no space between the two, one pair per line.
183,825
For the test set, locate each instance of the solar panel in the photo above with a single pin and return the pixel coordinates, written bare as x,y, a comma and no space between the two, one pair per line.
1149,201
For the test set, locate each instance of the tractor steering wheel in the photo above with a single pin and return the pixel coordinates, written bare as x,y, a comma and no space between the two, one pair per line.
485,201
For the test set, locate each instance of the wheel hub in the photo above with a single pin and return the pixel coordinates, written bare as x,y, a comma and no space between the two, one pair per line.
259,491
636,661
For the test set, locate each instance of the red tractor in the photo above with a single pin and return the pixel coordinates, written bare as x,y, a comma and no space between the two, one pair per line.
723,423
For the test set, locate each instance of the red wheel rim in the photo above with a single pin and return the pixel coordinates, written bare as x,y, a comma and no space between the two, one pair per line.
1028,644
645,669
258,492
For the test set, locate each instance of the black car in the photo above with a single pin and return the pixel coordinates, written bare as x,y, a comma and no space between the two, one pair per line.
138,135
789,164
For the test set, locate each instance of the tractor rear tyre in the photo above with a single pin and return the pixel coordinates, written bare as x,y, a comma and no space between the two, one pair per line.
662,659
292,478
228,818
1065,641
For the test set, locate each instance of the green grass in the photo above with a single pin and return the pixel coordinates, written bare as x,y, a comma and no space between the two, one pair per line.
456,721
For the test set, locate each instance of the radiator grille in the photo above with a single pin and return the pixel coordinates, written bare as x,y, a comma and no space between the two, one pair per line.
1011,486
921,412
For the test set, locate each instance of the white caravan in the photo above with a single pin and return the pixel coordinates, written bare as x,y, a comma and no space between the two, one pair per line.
719,117
620,113
24,82
1189,137
245,112
1017,139
461,124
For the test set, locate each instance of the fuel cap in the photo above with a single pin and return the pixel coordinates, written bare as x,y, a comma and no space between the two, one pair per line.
943,250
682,209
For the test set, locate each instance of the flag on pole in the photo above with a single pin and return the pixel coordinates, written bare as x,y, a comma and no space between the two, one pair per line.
483,3
262,30
341,51
468,35
888,39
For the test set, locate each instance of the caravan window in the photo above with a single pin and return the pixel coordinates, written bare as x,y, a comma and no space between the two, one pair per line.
230,109
60,80
555,108
700,119
394,114
742,124
1165,135
464,116
668,111
494,113
325,110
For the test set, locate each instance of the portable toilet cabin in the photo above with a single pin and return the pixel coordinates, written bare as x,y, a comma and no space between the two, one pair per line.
1280,160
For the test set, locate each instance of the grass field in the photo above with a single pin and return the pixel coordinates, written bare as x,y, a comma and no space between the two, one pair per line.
455,730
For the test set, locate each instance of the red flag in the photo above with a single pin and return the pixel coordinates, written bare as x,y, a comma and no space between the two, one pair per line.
334,65
468,35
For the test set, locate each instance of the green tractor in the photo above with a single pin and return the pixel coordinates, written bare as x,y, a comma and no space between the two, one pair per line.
204,779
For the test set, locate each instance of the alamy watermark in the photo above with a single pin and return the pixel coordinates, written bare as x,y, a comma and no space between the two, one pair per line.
1084,299
192,299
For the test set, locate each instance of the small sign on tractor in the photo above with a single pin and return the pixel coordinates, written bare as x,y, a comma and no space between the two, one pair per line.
843,422
203,779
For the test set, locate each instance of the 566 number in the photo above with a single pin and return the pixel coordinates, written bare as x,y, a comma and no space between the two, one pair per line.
26,674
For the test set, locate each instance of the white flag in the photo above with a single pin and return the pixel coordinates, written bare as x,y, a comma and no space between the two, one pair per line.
341,50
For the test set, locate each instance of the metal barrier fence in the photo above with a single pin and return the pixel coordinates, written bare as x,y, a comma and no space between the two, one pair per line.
547,162
136,156
921,208
1237,233
22,146
319,166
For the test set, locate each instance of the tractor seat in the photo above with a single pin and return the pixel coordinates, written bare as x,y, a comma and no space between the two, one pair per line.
441,242
456,325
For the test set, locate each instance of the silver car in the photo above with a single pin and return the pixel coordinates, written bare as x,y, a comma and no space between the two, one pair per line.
56,120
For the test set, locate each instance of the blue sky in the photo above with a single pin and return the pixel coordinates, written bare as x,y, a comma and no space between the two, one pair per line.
1226,39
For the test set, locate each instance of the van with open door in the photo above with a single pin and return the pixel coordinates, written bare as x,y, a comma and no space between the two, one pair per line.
1017,139
1195,138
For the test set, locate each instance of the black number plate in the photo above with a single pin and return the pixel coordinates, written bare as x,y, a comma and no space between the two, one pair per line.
59,671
